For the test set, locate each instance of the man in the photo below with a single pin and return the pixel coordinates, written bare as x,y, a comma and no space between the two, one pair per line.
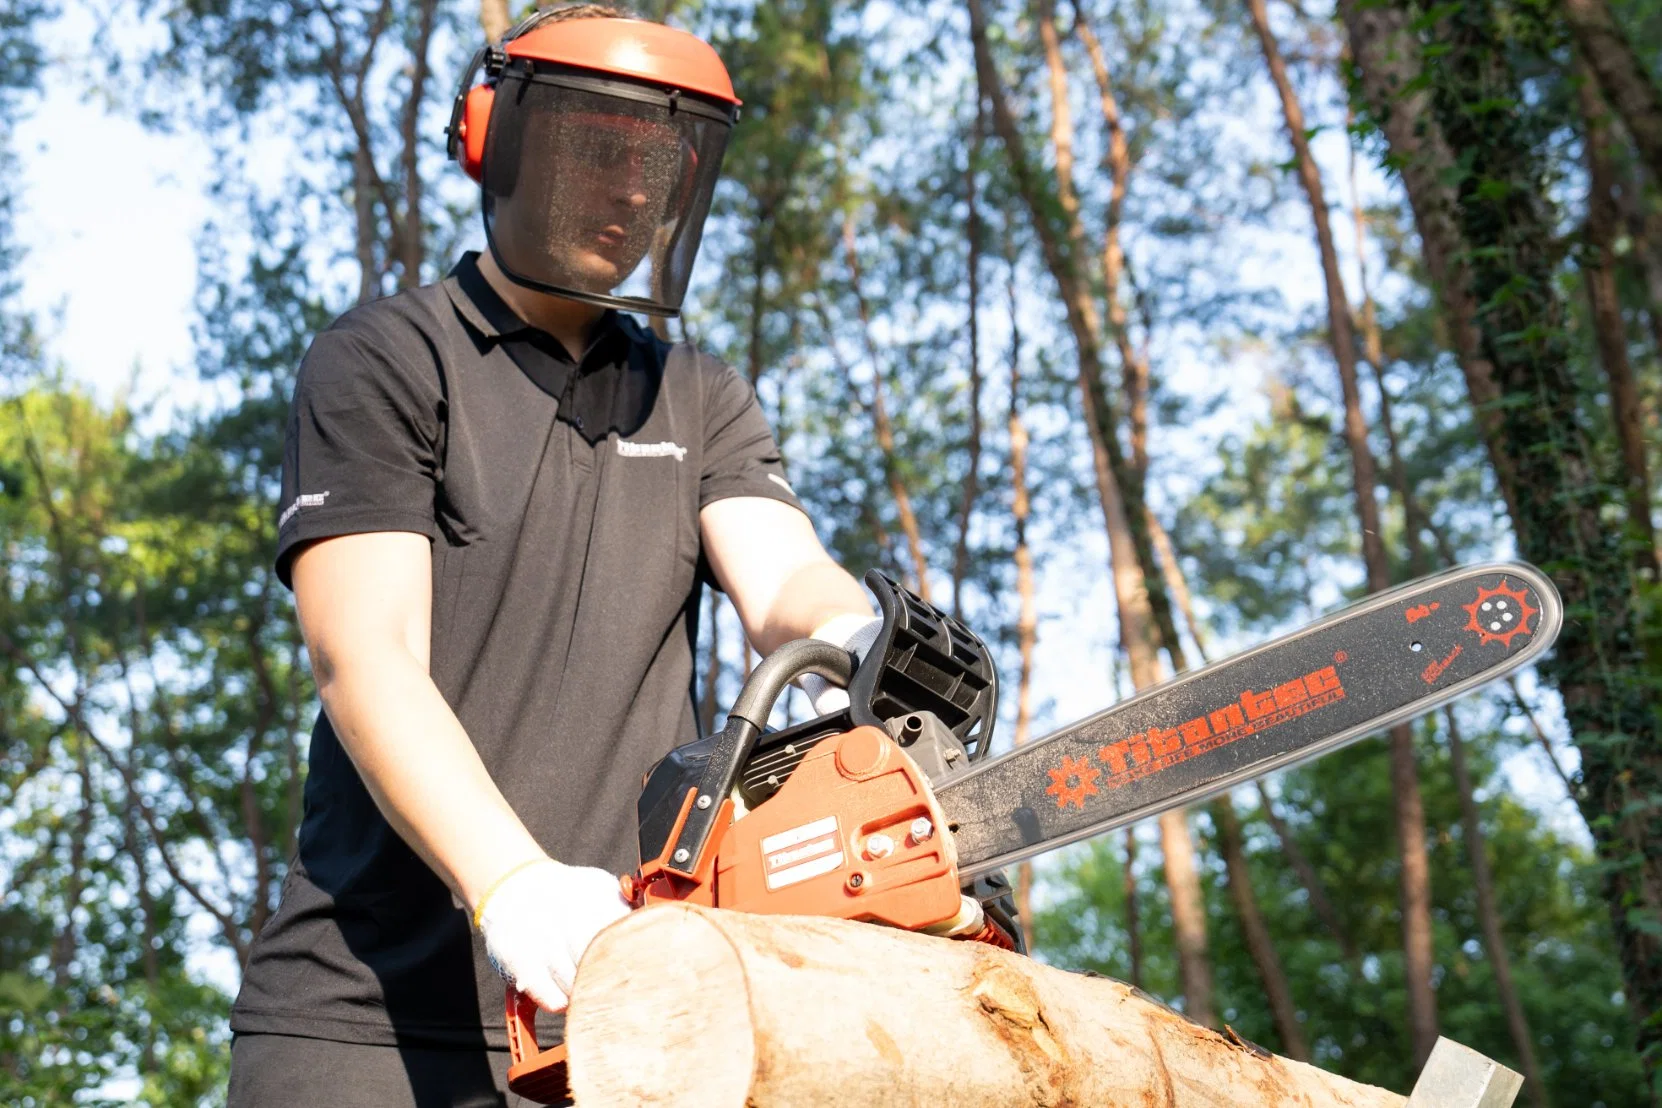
501,499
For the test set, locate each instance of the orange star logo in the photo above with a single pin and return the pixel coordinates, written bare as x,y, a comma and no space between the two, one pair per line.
1073,781
1499,614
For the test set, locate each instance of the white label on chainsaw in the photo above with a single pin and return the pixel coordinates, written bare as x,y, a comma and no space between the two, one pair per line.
801,853
773,843
805,870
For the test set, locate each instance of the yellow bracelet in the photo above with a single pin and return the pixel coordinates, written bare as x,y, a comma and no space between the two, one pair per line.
479,912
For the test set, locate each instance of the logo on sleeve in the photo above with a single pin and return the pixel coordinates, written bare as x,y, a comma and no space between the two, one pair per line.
651,450
305,500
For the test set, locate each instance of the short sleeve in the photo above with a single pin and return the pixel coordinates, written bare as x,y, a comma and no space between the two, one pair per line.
741,457
361,452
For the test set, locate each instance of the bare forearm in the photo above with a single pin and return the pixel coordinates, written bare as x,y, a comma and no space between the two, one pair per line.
808,599
424,773
772,566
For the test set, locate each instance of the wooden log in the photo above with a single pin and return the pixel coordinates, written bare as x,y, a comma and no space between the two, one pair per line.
718,1009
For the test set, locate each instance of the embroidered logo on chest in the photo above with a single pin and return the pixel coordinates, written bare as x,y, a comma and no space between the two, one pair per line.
651,450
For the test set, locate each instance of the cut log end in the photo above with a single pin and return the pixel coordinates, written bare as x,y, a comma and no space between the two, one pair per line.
674,1006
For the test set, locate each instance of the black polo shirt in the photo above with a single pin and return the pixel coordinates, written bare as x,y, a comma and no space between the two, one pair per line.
562,500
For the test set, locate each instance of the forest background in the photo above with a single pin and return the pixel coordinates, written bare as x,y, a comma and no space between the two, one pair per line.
1131,330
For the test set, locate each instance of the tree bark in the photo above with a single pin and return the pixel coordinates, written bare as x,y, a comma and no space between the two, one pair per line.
1307,876
1626,84
1488,917
1133,924
1389,79
1598,266
1566,484
493,17
1027,619
712,669
67,940
1277,990
411,235
881,427
1131,559
1177,586
1373,347
713,1009
1541,736
1143,624
1141,599
1259,945
1134,368
1188,916
972,464
363,213
1410,809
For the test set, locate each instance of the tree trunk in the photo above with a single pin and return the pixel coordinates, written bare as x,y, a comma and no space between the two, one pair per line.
712,1009
758,294
1116,158
1570,516
1307,876
1373,347
363,212
1388,68
66,941
1135,578
493,17
1027,619
1277,990
411,232
1598,266
972,464
881,427
1541,737
1133,924
1259,945
1131,558
1410,810
1188,916
1621,75
1176,585
1488,917
712,669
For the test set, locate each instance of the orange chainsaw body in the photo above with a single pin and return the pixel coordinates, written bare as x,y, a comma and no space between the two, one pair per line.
854,833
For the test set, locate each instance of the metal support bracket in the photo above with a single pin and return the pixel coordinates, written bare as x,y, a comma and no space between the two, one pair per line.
1457,1076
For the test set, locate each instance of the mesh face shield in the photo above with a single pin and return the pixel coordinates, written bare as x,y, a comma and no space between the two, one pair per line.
596,189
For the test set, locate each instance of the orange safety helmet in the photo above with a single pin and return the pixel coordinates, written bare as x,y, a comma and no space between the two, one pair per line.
598,142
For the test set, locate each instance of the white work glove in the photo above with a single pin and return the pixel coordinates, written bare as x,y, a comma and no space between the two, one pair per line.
854,634
538,920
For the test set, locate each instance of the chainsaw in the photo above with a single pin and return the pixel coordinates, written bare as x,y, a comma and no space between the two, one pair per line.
892,810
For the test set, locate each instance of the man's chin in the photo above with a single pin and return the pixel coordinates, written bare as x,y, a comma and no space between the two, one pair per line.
594,272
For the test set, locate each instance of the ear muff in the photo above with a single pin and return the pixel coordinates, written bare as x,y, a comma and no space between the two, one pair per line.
470,132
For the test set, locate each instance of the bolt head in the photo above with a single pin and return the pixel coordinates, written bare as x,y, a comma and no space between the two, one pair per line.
681,855
922,830
856,880
704,801
879,845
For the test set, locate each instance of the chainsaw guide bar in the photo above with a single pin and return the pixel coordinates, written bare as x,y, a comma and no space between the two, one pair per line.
1385,660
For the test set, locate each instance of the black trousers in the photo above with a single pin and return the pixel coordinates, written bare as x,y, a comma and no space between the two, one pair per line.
284,1071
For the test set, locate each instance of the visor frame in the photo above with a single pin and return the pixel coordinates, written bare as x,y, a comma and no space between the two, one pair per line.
672,100
710,110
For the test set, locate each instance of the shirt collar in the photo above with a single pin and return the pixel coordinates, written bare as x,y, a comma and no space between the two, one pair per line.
479,304
487,313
